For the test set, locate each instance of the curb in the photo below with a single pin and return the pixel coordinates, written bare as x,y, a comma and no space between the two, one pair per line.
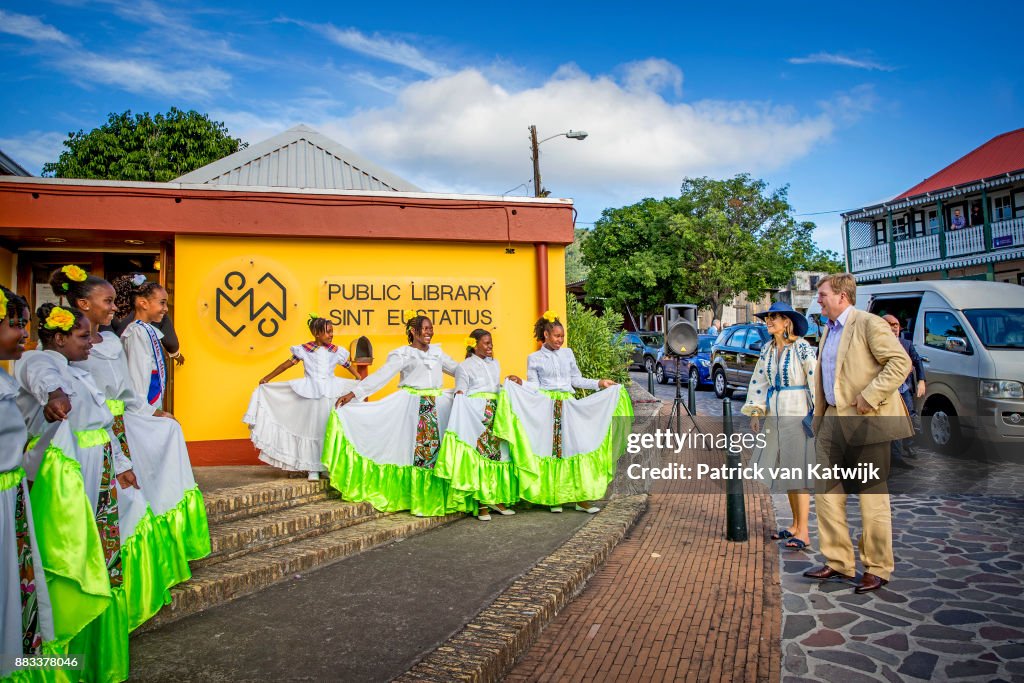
487,647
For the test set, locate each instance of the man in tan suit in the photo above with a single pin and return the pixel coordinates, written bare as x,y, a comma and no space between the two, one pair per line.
857,413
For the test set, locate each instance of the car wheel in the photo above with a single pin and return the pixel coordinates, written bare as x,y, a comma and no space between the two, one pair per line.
694,378
659,373
722,389
648,364
942,428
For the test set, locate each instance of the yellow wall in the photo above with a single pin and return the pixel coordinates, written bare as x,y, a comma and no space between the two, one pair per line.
213,388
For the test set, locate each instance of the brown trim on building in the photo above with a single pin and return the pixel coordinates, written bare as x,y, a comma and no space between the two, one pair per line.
31,211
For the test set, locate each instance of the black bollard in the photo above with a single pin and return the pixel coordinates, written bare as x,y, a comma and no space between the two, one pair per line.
650,382
735,511
692,397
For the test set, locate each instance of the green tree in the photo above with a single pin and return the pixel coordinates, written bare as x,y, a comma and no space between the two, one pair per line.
719,238
142,147
575,269
596,343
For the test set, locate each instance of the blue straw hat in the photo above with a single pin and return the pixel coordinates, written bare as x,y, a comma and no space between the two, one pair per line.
799,321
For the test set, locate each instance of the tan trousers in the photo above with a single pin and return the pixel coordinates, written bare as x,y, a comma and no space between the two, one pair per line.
875,543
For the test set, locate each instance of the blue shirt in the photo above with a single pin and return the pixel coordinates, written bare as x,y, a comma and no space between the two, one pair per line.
829,352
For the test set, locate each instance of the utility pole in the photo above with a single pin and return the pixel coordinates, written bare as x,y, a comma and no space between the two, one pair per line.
535,148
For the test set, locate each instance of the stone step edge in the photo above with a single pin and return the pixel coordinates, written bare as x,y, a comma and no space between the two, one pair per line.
259,532
489,645
240,502
226,581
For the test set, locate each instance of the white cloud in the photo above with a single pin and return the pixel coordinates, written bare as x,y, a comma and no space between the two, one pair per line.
841,60
33,29
376,46
140,76
34,149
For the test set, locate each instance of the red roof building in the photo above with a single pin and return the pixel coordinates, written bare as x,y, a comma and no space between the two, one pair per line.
965,221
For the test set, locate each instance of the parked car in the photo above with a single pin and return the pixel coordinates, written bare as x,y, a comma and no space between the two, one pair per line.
647,346
734,355
696,370
971,339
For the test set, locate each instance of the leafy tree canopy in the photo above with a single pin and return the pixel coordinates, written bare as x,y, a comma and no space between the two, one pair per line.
575,270
142,147
719,238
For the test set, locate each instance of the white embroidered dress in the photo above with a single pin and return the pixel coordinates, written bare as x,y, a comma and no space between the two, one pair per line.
13,437
287,419
157,445
779,389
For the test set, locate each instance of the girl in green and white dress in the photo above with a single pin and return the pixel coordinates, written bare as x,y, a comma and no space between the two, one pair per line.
565,449
472,457
384,452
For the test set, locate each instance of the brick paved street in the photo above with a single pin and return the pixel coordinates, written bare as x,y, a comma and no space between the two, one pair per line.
675,601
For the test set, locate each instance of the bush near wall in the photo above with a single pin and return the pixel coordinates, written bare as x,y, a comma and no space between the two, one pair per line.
592,338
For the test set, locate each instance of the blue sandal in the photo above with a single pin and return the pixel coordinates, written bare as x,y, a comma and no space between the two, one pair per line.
781,535
796,544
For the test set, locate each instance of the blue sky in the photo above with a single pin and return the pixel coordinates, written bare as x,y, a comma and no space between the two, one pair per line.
847,105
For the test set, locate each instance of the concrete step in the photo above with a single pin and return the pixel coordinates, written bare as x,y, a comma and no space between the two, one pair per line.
235,538
239,502
215,584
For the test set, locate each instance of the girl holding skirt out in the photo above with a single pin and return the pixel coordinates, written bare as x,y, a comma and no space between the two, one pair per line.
150,438
26,618
287,419
385,452
472,458
565,450
52,391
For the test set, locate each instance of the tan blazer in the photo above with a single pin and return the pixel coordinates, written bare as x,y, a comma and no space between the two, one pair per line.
871,363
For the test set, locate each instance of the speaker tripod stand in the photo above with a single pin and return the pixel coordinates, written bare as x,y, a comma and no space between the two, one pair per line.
679,407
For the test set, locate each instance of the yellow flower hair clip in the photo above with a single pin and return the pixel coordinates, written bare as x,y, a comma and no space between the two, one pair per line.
313,316
470,343
74,273
60,319
550,316
408,314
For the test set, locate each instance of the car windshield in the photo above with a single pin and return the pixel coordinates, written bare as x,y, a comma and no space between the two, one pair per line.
998,328
704,344
653,339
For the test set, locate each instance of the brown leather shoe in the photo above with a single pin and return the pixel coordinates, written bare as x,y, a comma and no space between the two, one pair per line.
869,582
824,573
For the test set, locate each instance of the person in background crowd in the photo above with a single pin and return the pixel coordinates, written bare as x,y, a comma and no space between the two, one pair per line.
958,221
716,326
913,387
977,216
857,414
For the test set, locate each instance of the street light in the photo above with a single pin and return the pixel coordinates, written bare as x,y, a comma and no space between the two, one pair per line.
534,147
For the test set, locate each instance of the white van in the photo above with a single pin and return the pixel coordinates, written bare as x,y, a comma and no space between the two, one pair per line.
970,336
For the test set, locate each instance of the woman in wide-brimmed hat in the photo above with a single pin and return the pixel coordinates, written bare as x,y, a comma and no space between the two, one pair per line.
780,393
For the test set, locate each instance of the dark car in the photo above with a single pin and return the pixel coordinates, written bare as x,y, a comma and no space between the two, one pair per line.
646,348
734,355
696,370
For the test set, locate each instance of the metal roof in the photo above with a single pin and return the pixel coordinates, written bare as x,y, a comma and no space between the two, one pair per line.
9,166
299,158
1002,154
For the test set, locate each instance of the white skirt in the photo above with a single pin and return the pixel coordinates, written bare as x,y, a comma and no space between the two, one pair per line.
385,431
10,580
289,429
159,459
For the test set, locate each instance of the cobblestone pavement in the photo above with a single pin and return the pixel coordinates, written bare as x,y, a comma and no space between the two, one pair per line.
953,610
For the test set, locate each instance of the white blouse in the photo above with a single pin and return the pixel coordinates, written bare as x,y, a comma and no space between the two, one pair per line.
419,370
108,366
138,350
476,374
556,370
13,434
318,365
39,373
